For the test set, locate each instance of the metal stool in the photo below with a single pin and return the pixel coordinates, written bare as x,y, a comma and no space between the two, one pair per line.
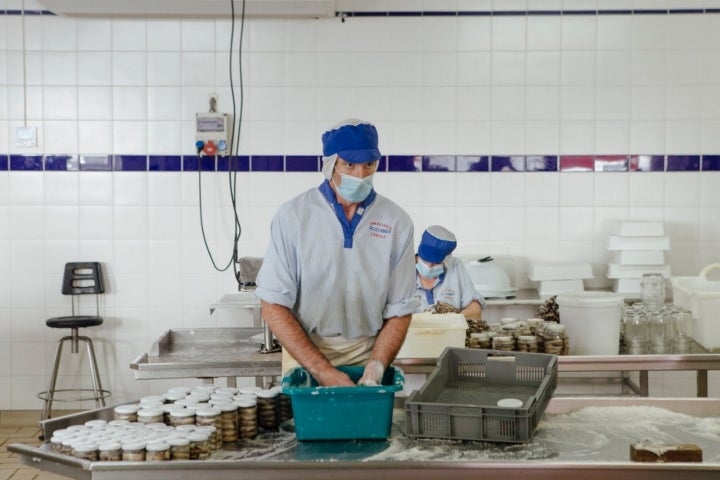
80,278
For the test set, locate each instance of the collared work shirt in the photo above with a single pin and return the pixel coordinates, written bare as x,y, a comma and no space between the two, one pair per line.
340,277
454,287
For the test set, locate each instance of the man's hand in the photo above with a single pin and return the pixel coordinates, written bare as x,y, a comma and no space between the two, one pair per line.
332,377
373,374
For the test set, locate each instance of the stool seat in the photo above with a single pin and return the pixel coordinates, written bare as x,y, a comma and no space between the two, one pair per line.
78,321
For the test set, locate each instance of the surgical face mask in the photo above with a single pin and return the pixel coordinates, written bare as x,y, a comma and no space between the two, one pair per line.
429,272
354,189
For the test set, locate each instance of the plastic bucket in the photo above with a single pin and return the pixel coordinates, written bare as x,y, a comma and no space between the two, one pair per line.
592,321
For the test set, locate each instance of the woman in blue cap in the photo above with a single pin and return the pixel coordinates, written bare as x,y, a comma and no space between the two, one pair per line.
442,277
336,284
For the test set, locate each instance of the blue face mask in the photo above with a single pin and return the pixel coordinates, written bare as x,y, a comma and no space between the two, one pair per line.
355,189
429,272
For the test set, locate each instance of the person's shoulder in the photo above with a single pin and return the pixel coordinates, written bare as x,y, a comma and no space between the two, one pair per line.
389,205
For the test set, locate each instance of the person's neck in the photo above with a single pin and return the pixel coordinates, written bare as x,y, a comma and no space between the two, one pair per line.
348,207
427,283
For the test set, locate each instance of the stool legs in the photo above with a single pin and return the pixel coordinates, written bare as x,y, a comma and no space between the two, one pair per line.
98,393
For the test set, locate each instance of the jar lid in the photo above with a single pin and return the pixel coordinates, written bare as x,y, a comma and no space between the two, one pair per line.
107,446
62,432
267,393
197,397
156,446
118,423
245,402
174,396
96,423
249,390
127,409
230,390
185,428
178,441
182,413
207,412
226,407
85,447
555,327
133,446
149,412
198,437
152,399
179,389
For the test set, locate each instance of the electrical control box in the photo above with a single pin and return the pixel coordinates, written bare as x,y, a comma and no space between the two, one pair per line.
212,133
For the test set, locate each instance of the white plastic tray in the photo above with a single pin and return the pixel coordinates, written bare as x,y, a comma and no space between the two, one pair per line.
639,257
636,271
617,242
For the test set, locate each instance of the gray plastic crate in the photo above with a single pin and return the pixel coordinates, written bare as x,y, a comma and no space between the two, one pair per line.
459,400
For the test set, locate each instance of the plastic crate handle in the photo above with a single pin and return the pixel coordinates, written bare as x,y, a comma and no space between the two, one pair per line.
703,273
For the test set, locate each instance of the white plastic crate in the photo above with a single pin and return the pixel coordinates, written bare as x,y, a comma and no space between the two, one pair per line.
702,297
429,334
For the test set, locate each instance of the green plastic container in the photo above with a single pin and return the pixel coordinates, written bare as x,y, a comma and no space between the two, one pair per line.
342,413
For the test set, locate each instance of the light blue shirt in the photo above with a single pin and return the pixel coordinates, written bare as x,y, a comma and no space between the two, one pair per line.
339,277
454,287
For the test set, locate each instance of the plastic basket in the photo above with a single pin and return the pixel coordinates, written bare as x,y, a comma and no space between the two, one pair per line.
459,400
342,413
701,296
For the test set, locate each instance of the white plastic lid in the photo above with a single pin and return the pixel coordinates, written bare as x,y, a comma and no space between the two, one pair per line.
127,409
267,393
157,446
182,413
149,412
207,412
198,437
510,403
226,407
85,447
152,399
133,446
174,396
589,299
185,428
118,423
179,389
246,402
107,446
226,390
248,390
95,423
178,441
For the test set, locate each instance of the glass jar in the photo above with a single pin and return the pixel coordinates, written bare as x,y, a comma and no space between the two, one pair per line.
157,452
684,325
199,446
635,330
267,408
182,416
228,422
555,339
85,451
210,416
652,290
503,342
179,448
126,412
150,415
247,416
527,343
214,437
133,452
660,330
110,452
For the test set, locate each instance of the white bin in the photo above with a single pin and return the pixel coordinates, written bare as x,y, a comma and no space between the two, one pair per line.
592,321
702,297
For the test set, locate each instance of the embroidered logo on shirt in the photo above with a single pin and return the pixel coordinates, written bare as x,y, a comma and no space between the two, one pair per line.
380,230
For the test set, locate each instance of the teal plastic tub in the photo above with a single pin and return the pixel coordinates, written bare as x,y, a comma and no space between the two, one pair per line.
342,413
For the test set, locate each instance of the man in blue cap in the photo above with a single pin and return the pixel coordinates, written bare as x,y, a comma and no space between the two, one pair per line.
442,277
336,283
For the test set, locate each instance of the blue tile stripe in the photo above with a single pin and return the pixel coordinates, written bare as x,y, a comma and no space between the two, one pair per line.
391,163
528,12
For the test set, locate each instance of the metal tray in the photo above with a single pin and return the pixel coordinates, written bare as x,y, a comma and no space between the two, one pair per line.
566,445
207,353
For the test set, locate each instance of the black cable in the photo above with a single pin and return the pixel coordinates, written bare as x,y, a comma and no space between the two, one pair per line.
232,173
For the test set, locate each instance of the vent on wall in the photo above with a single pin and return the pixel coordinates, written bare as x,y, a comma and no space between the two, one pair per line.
190,8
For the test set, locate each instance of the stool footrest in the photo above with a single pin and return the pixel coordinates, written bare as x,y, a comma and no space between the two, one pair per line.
47,396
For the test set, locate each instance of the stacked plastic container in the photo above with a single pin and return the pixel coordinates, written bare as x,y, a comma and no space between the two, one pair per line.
554,278
639,248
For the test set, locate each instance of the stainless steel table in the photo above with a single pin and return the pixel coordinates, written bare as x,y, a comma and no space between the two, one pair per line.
577,438
210,353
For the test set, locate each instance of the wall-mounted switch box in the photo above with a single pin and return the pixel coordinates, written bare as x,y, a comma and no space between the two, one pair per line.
26,137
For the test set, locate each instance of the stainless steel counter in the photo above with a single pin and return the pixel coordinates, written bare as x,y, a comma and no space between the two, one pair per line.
586,438
232,352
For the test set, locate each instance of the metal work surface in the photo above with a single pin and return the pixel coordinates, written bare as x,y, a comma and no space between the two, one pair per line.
206,352
585,438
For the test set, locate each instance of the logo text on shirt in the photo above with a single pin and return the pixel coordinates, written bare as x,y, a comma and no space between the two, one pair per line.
380,230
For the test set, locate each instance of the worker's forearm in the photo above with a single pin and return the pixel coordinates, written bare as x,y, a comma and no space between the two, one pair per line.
390,339
473,311
293,339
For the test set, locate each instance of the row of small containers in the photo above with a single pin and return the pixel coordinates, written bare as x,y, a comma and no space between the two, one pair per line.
184,423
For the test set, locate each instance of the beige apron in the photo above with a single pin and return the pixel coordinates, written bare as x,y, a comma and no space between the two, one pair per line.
338,350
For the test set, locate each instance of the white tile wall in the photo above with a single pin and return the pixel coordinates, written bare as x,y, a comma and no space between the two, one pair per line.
445,86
